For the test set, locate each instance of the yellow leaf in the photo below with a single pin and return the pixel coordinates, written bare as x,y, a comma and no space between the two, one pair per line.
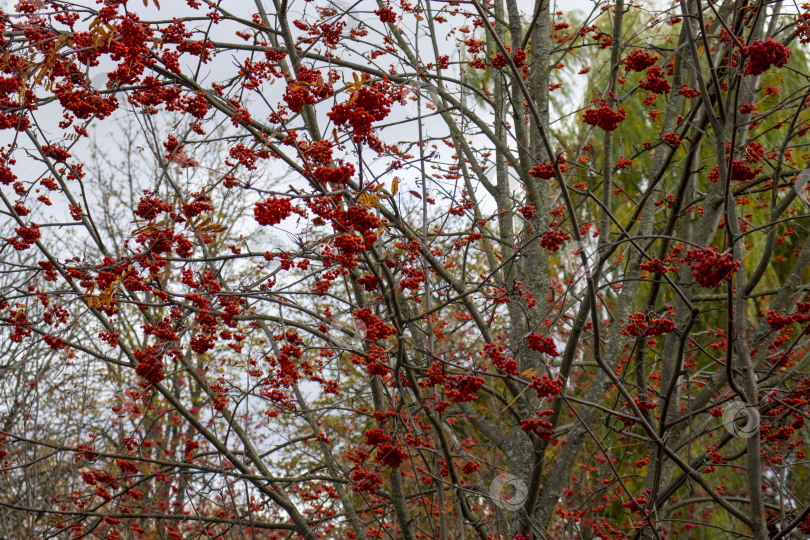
369,200
395,185
145,2
335,135
206,221
215,228
352,99
418,17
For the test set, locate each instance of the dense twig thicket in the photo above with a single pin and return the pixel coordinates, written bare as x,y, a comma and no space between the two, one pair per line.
404,269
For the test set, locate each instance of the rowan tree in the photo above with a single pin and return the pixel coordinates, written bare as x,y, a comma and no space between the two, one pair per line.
383,269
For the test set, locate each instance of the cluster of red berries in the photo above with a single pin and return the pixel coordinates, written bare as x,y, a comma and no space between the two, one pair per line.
364,481
246,156
462,388
543,170
28,236
803,33
779,322
150,206
391,456
656,267
319,152
544,430
672,139
643,406
273,211
376,437
542,344
643,325
546,386
356,218
189,449
386,15
499,359
688,92
740,172
656,82
339,175
413,278
470,467
754,152
435,375
604,117
367,105
639,60
709,268
528,211
306,90
350,244
546,170
9,90
764,54
636,504
553,239
150,365
624,163
376,329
